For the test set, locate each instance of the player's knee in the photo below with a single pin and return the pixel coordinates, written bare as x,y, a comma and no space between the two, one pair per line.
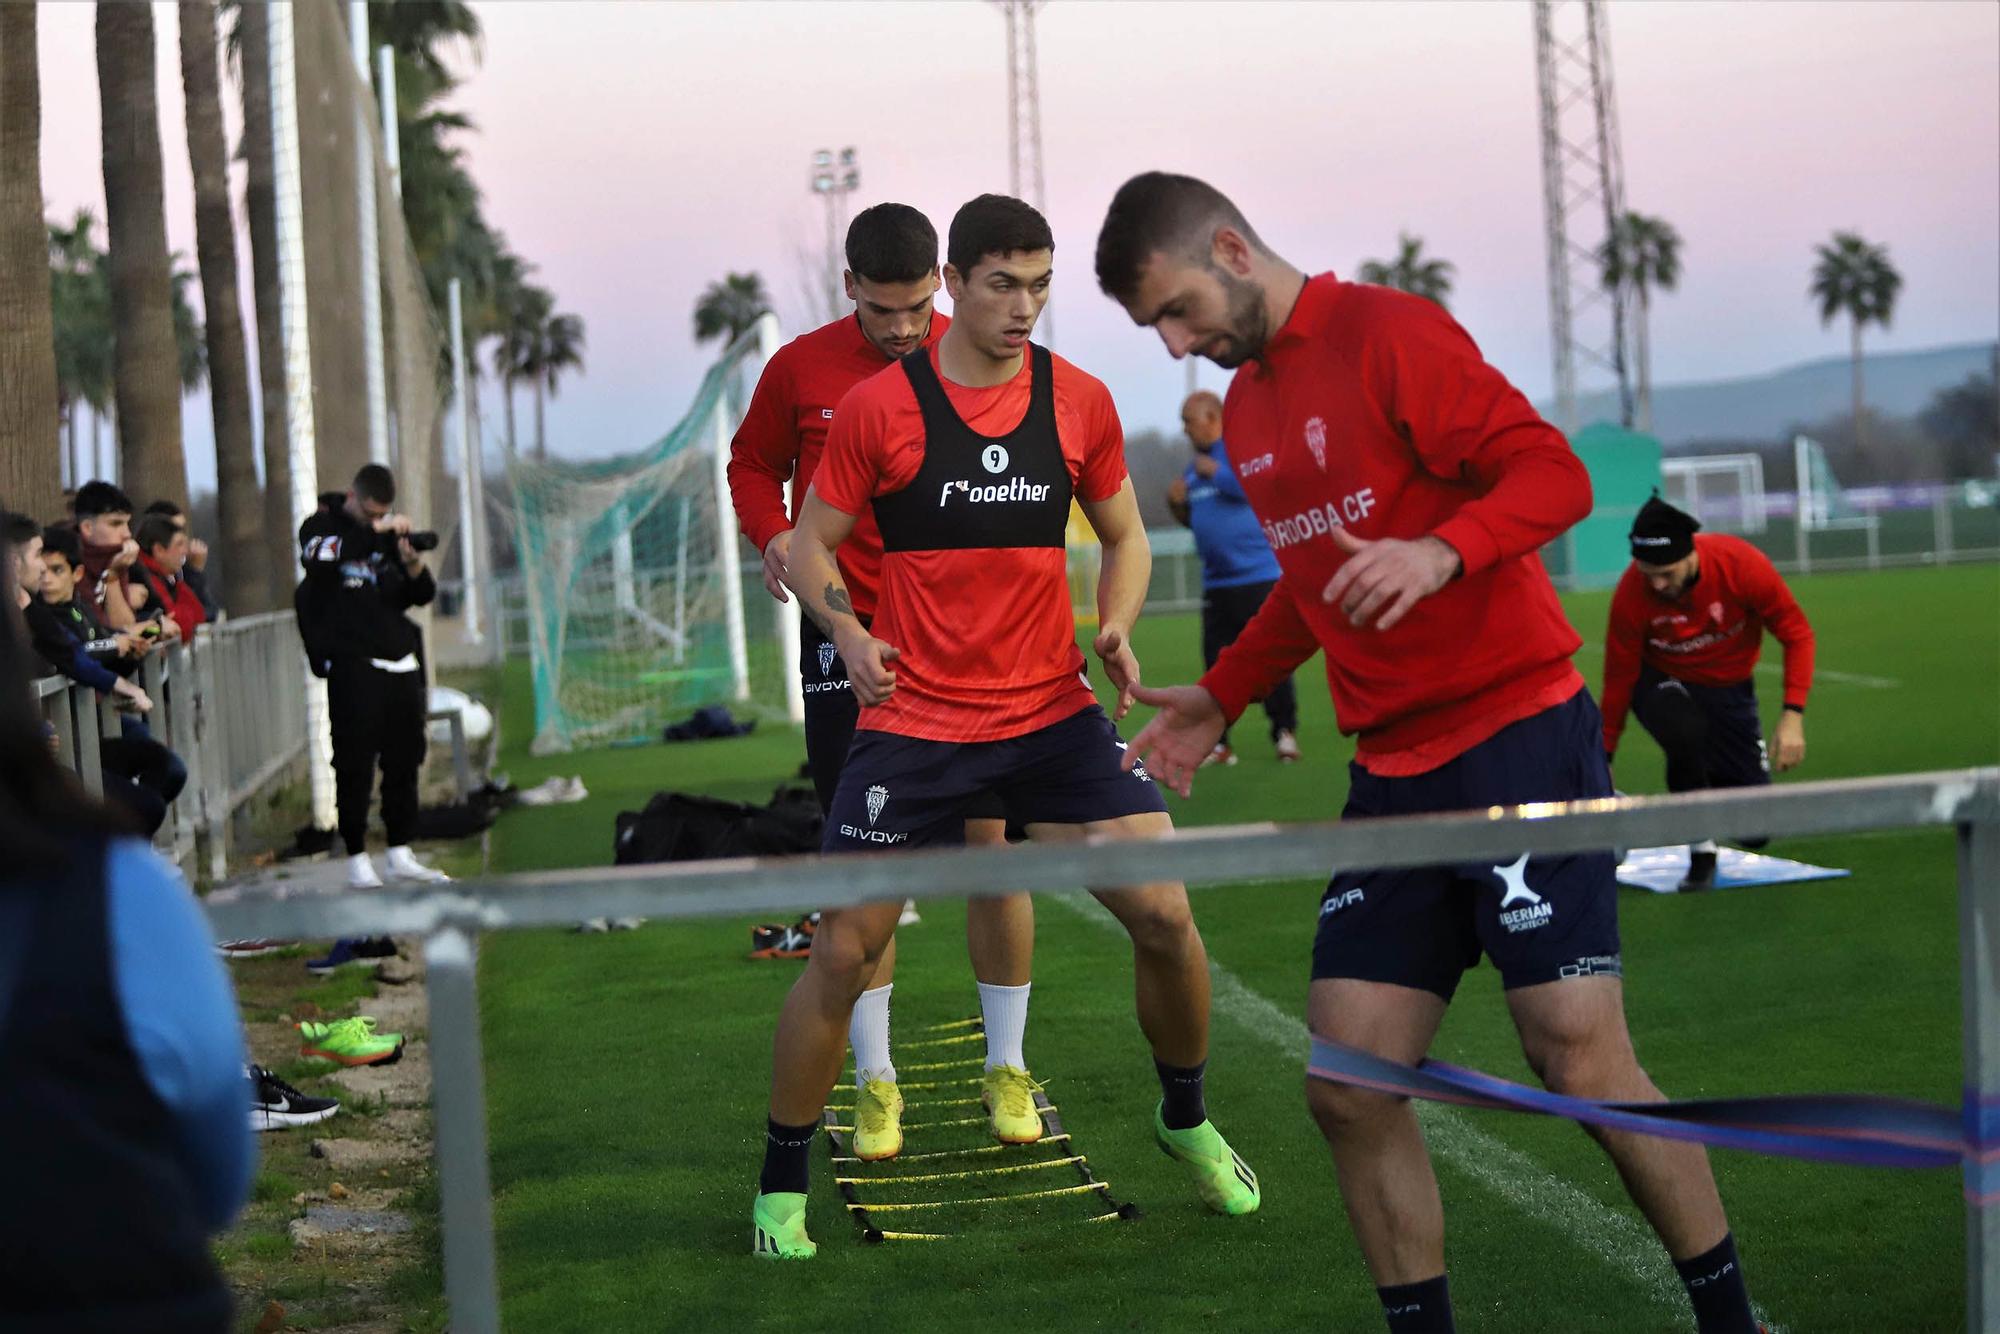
846,958
1159,923
1583,1063
1342,1111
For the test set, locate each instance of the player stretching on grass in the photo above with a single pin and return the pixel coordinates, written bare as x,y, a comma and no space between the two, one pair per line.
970,680
892,277
1405,486
1687,624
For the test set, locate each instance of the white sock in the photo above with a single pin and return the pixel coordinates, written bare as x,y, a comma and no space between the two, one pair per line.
1006,1012
868,1034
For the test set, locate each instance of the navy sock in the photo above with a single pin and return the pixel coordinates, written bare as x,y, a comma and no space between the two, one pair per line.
1715,1285
1182,1107
1418,1308
786,1165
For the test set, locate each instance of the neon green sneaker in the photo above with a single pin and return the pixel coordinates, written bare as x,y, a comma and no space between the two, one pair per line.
351,1042
1009,1095
1222,1179
878,1121
778,1225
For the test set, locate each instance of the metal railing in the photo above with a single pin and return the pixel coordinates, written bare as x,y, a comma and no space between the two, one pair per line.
231,705
450,918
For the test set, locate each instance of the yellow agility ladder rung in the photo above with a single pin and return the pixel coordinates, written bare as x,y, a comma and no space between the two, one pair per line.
984,1199
962,1153
1036,1166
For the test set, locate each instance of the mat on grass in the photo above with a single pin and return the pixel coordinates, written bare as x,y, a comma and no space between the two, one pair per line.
1662,869
951,1176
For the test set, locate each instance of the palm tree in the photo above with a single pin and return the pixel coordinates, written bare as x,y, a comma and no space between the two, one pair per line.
80,302
1855,278
238,505
728,309
1410,272
524,310
148,369
1645,253
250,40
31,462
557,347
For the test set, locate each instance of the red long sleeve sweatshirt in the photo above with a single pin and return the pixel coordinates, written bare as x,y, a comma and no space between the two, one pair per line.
1373,410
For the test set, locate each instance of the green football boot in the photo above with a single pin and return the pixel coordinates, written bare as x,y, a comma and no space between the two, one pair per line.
778,1227
351,1042
1222,1179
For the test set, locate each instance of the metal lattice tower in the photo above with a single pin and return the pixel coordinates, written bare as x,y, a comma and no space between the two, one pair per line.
1583,193
1024,122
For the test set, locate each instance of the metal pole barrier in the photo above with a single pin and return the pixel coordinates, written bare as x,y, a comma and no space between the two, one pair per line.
458,1094
1979,955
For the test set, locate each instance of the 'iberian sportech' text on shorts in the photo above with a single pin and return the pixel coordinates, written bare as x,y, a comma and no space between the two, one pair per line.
899,791
1538,918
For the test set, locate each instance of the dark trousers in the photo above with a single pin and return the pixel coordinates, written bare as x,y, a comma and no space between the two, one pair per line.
1711,734
140,774
1224,613
377,716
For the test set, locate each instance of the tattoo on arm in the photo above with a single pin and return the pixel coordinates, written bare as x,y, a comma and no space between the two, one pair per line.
837,600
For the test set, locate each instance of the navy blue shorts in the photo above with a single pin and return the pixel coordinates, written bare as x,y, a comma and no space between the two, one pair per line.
831,712
898,791
1712,735
1537,919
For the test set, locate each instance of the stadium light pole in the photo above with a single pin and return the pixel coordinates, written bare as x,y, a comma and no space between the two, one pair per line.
833,179
468,548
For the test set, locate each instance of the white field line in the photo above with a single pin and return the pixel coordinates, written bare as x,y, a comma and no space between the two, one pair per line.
1827,674
1624,1243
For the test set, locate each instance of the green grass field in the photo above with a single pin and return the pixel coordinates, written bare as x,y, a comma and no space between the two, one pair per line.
627,1073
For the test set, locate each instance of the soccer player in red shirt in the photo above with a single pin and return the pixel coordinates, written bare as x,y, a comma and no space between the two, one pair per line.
1405,486
892,278
1687,625
968,454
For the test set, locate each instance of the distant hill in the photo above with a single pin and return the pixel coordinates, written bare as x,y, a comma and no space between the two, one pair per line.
1762,407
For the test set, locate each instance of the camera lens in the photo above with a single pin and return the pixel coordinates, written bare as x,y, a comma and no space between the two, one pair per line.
423,541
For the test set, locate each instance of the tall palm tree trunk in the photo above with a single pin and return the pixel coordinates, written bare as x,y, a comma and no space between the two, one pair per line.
70,411
260,198
1860,428
541,438
147,362
1645,350
239,508
30,462
507,393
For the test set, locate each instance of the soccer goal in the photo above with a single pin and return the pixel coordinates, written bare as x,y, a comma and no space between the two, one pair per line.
642,605
1724,491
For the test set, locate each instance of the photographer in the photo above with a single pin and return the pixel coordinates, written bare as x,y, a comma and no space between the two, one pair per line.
363,570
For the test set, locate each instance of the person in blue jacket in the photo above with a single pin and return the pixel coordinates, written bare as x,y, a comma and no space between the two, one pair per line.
122,1077
1237,567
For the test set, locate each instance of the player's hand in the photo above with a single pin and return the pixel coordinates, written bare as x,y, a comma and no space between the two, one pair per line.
1790,741
197,553
1205,465
1181,735
408,555
169,628
868,660
1177,492
137,699
776,552
1114,650
394,523
127,553
1381,580
129,645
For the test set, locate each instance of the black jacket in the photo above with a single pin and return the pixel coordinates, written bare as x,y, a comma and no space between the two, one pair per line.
355,591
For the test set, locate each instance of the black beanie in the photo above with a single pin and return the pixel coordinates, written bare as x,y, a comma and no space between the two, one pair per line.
1661,534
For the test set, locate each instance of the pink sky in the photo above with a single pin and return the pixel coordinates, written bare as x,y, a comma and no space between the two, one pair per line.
635,151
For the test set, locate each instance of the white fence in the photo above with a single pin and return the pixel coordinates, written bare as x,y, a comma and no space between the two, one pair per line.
232,705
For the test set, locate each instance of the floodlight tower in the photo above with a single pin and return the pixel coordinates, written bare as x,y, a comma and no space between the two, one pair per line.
1583,195
1024,120
833,180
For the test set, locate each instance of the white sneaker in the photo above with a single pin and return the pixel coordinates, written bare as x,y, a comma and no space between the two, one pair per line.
403,865
361,873
910,915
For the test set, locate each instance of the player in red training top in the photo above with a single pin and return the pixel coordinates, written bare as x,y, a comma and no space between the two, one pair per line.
968,455
892,278
1405,486
1687,625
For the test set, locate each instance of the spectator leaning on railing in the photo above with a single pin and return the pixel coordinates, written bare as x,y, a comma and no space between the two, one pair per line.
195,572
163,555
121,1055
104,522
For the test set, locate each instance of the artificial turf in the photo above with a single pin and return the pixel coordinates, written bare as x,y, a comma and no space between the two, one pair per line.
627,1073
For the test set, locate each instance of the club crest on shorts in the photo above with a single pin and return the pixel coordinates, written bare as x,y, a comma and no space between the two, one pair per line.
826,659
1514,889
1316,440
878,797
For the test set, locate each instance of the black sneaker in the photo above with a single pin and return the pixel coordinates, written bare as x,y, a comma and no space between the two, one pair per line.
374,947
276,1105
1701,874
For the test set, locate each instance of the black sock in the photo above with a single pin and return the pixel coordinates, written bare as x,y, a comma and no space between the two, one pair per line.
786,1165
1418,1308
1180,1085
1715,1285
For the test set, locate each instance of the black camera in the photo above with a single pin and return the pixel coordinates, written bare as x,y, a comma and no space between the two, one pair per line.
423,540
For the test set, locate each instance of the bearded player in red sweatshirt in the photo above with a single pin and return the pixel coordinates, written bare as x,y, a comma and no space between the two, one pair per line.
1406,486
1687,626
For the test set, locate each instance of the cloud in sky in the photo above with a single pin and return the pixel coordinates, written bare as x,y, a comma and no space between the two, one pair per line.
636,151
